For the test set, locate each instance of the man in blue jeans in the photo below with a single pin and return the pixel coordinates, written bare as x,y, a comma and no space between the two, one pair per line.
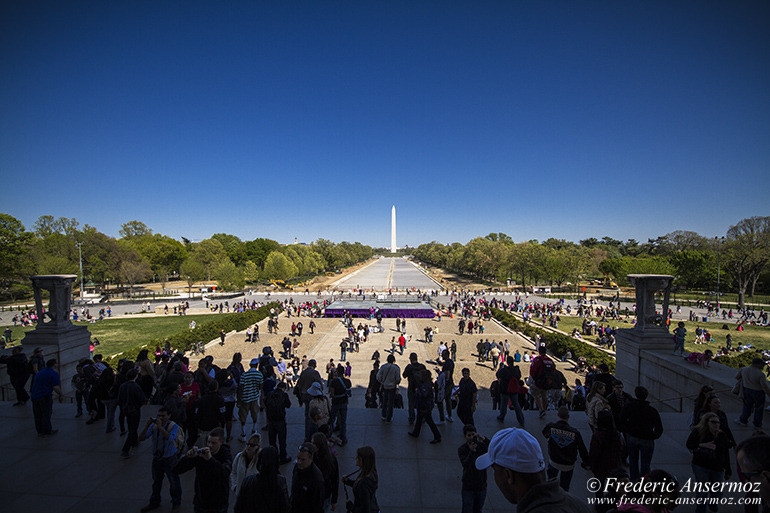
474,489
755,386
389,376
163,433
45,382
641,423
508,377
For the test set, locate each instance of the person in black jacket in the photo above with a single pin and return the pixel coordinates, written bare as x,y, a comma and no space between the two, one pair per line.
212,473
327,464
641,423
276,403
18,370
365,485
425,407
210,410
474,489
131,399
710,455
564,444
265,492
307,483
508,377
411,374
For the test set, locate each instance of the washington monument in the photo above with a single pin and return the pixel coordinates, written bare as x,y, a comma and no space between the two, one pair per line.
393,229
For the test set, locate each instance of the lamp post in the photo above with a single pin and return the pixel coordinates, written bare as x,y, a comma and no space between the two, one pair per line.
80,257
719,265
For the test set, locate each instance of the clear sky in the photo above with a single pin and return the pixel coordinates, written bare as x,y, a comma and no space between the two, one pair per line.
310,119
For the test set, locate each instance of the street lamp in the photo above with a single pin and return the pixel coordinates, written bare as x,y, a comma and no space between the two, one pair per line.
80,257
719,265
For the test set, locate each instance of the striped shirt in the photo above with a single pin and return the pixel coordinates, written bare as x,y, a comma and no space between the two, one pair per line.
250,384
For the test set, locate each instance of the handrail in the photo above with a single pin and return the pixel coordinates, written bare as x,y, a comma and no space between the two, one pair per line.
690,396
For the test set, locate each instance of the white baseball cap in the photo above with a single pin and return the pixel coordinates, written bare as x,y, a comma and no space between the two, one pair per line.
514,449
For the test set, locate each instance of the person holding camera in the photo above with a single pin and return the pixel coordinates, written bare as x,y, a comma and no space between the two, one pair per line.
474,489
365,485
164,434
212,473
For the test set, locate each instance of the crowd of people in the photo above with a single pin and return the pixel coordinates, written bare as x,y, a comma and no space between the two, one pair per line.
201,410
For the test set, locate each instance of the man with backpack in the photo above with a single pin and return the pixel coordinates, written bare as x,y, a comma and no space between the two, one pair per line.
276,403
543,374
167,441
508,377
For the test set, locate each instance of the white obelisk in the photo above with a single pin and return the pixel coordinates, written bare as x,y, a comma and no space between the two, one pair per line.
393,229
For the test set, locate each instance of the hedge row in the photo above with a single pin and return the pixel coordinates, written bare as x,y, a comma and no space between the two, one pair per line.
740,360
557,343
204,332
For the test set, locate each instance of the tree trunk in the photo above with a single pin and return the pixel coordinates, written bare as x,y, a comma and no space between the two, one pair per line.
753,285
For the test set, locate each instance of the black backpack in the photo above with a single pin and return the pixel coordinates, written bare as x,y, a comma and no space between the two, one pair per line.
578,402
274,404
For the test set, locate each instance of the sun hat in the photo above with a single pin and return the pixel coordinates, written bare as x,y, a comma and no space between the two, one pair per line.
514,449
315,390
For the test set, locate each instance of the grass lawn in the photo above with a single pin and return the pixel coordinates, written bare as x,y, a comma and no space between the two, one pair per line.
119,334
754,335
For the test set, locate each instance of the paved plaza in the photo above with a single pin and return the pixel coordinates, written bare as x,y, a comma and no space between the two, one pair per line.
388,274
79,469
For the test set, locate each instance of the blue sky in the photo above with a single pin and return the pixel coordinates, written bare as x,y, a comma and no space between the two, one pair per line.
310,119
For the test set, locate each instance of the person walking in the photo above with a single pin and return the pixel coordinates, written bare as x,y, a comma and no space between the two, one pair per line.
18,372
266,491
167,440
389,376
467,396
276,403
564,444
508,378
754,387
641,423
607,449
131,399
710,450
46,382
448,368
339,388
365,485
424,398
474,481
411,373
680,333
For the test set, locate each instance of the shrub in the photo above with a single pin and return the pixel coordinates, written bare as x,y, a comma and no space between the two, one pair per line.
204,332
557,343
740,360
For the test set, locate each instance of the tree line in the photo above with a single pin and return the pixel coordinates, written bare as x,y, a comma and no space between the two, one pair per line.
740,259
53,246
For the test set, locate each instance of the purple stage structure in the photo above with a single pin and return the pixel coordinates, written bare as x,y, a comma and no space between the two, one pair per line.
406,307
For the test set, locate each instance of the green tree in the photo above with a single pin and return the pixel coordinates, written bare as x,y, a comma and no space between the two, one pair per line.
228,276
133,229
746,253
14,246
279,267
192,270
250,272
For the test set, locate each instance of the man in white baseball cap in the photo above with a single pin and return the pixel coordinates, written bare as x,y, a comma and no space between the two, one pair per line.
519,468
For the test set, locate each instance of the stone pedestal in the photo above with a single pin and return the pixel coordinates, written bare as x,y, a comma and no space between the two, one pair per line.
644,356
55,334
